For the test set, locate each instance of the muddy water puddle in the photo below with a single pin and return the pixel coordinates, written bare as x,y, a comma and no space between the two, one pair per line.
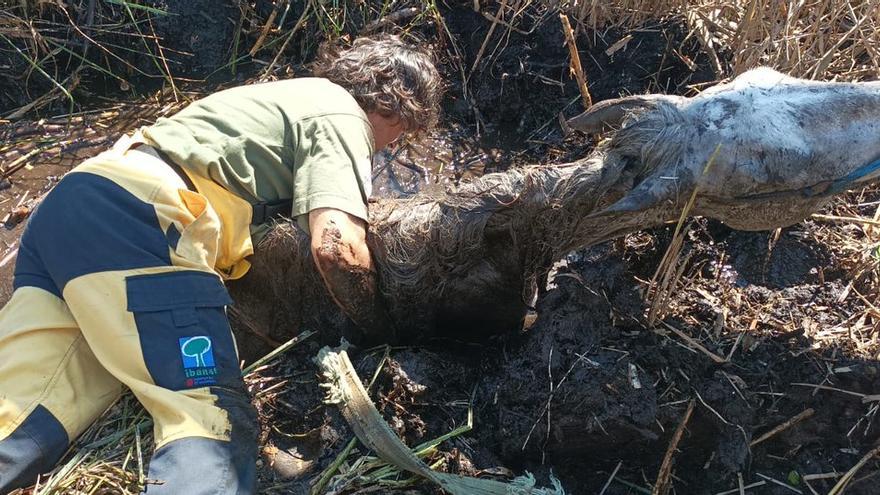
433,163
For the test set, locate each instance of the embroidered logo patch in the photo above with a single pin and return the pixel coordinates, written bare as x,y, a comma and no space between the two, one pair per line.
198,360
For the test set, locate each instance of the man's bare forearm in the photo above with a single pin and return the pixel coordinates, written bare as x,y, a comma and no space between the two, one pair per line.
344,261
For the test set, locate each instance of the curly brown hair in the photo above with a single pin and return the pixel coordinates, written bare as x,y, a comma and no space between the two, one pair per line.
387,76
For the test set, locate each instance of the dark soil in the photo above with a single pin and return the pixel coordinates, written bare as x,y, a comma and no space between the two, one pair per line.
200,34
588,385
752,393
518,70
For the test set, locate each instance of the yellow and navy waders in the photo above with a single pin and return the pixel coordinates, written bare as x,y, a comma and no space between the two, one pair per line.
118,284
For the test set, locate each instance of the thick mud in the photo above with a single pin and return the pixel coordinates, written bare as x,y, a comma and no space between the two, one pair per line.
199,33
589,386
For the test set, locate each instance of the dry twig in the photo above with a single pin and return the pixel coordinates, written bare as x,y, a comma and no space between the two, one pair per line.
575,64
807,413
661,486
844,481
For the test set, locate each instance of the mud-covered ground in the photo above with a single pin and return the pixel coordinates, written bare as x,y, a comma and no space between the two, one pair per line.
589,389
588,386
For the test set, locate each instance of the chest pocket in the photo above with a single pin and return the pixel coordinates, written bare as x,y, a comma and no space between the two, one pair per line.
183,330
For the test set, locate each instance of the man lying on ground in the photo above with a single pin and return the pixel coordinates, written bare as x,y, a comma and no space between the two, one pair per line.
119,277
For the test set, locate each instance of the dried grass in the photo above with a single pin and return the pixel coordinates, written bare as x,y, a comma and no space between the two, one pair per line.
814,39
62,46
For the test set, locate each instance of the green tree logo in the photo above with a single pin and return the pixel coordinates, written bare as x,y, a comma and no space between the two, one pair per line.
197,347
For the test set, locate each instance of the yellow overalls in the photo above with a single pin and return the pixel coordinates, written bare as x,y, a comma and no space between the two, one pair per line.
118,282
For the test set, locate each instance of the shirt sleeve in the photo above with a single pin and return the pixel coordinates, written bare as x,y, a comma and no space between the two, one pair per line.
332,166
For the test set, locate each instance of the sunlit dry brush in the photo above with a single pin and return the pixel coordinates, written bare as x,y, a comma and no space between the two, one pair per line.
813,39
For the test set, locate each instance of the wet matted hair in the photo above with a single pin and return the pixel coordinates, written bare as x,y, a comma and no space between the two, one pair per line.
387,76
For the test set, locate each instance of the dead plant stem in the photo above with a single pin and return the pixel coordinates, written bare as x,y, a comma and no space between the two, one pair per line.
575,64
661,485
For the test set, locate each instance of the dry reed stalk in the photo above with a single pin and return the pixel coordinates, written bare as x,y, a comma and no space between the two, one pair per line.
814,39
747,487
840,487
265,30
670,270
821,40
661,486
695,344
611,478
498,16
575,63
807,413
835,218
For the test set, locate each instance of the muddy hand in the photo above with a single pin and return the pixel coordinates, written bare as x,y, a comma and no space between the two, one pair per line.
785,146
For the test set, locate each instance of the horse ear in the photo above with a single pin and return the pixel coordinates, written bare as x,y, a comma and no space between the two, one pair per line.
609,114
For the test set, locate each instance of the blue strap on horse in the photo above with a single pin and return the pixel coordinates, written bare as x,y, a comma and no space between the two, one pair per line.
862,174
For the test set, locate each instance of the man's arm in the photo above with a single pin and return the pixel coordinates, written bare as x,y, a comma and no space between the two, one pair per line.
339,247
